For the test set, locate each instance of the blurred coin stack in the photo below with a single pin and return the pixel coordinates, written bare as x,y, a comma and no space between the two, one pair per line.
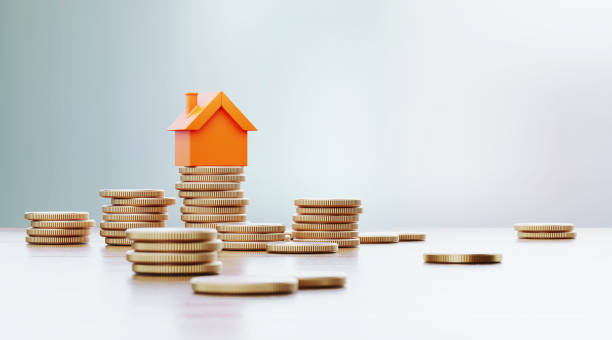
58,227
174,251
545,231
211,195
327,220
132,208
250,236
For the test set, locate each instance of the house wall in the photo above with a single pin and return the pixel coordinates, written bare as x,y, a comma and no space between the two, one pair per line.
220,142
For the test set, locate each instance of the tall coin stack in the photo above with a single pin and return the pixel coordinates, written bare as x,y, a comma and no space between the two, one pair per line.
211,195
327,220
132,208
58,227
174,251
250,236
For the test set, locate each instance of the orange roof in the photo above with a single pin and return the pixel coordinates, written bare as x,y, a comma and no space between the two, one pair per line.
207,104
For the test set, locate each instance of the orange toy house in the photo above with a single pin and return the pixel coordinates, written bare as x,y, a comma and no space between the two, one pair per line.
211,132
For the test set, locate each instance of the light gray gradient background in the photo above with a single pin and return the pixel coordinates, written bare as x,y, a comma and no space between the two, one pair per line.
434,113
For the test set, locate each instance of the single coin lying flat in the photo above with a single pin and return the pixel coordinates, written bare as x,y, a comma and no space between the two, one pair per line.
260,237
462,258
234,245
118,241
209,186
325,218
113,233
302,247
321,279
57,240
131,193
201,225
544,227
178,269
56,215
216,202
406,236
144,202
213,210
325,234
248,227
329,211
378,238
170,258
327,202
212,178
127,209
211,194
324,226
79,224
171,234
547,236
242,285
58,232
134,217
211,170
341,242
178,247
205,218
129,225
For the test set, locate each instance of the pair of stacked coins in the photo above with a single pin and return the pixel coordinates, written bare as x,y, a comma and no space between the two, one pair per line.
250,236
132,208
545,231
173,251
327,220
211,195
58,227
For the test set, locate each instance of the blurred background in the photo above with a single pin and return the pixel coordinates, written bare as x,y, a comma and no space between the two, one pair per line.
434,113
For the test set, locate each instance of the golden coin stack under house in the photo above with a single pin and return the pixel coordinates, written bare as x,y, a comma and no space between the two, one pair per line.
327,220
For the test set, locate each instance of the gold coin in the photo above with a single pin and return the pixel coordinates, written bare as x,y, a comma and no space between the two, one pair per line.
245,245
130,225
406,236
170,258
211,170
213,210
321,279
56,215
549,236
113,233
212,178
329,211
325,218
201,225
207,186
144,202
325,234
212,194
171,234
57,240
134,217
324,226
544,227
244,285
178,269
327,202
462,258
131,193
126,209
252,237
63,224
378,238
216,202
200,218
341,242
250,228
118,241
57,232
178,247
302,247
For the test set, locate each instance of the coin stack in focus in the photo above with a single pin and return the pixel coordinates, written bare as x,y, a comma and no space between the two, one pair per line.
249,236
327,220
58,227
545,231
132,208
174,251
211,195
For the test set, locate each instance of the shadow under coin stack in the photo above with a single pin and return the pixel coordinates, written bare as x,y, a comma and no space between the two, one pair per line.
132,208
250,236
327,220
174,251
211,195
58,227
545,231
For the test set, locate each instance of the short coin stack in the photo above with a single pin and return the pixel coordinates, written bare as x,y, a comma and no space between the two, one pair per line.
174,251
132,208
327,220
249,236
58,227
545,231
211,195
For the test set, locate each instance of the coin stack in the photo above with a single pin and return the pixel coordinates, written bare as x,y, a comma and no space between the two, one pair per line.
58,227
211,195
249,236
174,251
132,208
327,220
545,231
